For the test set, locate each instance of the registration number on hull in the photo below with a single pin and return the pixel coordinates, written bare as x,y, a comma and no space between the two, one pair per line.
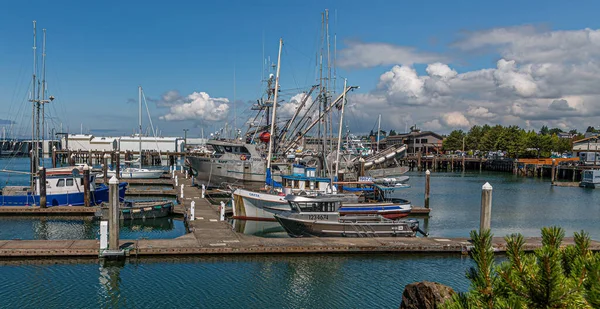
318,217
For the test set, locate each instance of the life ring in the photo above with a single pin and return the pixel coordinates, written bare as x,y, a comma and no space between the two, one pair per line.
243,157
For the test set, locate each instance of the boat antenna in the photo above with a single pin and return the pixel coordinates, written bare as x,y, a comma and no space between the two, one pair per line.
339,141
270,152
43,92
140,120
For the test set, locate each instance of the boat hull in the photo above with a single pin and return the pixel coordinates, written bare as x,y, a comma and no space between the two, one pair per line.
98,196
322,228
250,205
150,211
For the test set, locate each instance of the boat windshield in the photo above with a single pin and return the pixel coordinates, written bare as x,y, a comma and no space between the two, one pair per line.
315,206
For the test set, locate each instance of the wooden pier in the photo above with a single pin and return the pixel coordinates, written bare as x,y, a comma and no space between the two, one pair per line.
210,236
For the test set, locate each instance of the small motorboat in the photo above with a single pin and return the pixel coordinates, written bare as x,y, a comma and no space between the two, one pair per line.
131,210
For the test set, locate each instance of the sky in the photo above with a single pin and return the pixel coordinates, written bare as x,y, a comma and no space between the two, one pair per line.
440,65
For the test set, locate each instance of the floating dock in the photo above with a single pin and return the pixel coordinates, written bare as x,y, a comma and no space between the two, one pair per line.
209,236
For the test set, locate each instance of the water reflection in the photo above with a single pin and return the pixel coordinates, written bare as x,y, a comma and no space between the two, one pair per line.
46,228
110,282
259,228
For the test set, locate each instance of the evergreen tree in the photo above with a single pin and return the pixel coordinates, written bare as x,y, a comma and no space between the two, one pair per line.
553,276
454,141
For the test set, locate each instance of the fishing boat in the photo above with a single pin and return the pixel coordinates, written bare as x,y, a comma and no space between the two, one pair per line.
131,172
319,216
64,187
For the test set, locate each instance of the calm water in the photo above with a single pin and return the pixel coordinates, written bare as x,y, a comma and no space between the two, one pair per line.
336,281
315,281
75,228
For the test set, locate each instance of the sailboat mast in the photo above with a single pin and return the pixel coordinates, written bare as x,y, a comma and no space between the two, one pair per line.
339,141
33,155
273,119
43,92
140,121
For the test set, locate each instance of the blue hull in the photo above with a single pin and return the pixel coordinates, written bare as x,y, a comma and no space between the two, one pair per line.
98,196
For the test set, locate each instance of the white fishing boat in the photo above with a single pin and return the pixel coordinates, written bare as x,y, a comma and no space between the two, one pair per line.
320,217
590,179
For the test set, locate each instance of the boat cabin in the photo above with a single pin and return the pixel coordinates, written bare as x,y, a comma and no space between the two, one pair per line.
313,204
65,180
305,179
590,178
221,148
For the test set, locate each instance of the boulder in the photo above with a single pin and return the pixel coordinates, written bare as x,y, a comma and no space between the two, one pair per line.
425,295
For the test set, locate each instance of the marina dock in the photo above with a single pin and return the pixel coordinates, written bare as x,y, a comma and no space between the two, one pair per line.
209,236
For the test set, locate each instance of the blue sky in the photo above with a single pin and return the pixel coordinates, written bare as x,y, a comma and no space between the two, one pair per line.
98,53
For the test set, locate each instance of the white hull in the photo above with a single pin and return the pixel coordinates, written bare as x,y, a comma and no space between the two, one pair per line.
251,205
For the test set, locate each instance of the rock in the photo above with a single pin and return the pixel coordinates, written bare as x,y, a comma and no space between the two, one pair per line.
425,295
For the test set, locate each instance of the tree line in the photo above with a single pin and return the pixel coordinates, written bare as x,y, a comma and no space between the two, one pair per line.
515,141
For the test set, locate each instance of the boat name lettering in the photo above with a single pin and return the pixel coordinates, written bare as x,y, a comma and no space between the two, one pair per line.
318,217
399,228
222,161
254,194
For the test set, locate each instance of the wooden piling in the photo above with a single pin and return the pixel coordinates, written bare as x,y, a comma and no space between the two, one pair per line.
419,161
86,186
117,164
42,182
113,216
427,186
463,162
486,207
105,168
552,172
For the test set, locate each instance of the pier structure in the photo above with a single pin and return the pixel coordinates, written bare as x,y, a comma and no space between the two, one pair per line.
209,235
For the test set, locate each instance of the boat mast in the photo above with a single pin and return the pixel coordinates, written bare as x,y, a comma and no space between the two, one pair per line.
378,130
273,119
140,121
339,141
33,155
43,94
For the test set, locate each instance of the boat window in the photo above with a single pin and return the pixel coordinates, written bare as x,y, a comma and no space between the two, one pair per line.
60,183
236,149
227,148
69,182
244,150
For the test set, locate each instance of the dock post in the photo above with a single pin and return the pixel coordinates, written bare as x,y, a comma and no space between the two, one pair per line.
42,182
186,174
193,211
176,182
113,214
486,207
54,156
427,183
222,211
181,191
463,162
203,190
86,185
480,164
452,163
105,168
118,164
419,161
552,172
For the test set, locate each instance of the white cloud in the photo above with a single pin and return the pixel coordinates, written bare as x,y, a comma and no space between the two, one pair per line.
198,106
366,55
287,109
455,119
480,112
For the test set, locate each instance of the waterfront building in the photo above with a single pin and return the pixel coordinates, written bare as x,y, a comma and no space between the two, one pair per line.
417,141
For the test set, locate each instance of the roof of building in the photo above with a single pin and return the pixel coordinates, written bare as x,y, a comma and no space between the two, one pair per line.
415,134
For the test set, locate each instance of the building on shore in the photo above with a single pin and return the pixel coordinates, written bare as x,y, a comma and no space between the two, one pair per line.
589,144
417,141
86,142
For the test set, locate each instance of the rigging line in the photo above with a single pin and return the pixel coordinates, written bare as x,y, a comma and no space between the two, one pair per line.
286,54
